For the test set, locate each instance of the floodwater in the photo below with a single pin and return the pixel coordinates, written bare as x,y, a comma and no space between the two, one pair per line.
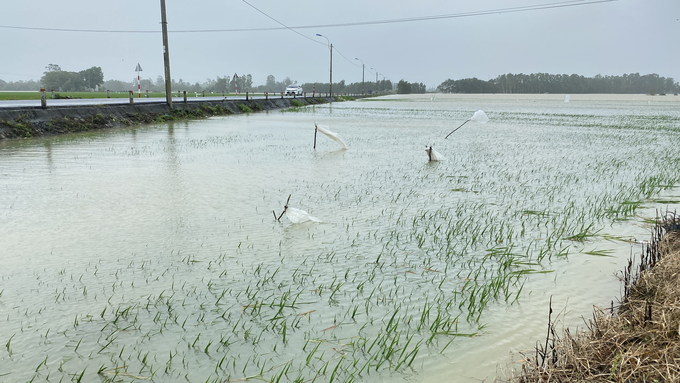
154,253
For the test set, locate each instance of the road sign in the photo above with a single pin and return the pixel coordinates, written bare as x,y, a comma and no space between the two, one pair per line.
139,81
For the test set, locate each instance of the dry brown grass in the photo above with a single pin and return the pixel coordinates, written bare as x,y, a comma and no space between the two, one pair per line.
638,342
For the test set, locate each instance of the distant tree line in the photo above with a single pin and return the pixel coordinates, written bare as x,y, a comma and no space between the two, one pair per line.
217,85
367,87
405,87
563,83
93,79
20,85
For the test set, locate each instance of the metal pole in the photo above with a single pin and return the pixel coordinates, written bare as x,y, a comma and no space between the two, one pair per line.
377,89
363,70
331,48
166,56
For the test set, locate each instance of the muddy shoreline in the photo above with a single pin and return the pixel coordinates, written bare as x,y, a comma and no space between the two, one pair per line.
31,122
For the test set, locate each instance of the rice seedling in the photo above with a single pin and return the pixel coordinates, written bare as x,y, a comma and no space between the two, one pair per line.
599,253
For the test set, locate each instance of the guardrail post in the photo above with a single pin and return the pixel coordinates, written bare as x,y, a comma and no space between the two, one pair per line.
246,95
185,96
43,98
132,98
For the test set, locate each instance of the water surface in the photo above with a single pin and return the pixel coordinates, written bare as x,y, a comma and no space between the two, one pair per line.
154,252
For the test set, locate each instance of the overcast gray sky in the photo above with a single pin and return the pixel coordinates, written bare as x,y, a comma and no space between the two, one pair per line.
607,38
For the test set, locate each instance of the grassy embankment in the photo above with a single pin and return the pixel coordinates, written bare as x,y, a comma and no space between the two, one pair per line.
24,126
7,96
36,95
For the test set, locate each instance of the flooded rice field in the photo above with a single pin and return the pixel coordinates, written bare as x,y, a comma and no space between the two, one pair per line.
154,253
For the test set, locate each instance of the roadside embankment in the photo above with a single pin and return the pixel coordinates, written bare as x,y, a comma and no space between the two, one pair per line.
34,122
637,342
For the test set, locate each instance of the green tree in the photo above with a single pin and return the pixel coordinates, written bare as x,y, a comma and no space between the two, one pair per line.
60,80
448,86
245,83
270,86
56,80
160,83
418,87
92,77
221,84
52,68
403,87
248,83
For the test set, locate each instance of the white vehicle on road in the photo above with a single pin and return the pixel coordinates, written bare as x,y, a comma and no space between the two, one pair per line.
294,90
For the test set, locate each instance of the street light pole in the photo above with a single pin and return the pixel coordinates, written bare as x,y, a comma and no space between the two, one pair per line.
376,80
166,57
363,69
331,49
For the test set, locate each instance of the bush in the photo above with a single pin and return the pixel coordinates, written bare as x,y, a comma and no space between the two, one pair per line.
245,108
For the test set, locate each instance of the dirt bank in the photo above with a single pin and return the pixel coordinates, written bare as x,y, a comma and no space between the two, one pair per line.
34,122
638,341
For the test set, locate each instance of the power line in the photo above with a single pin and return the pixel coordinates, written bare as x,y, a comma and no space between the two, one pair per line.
284,25
309,38
564,4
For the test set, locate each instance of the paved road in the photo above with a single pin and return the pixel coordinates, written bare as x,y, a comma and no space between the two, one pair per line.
118,101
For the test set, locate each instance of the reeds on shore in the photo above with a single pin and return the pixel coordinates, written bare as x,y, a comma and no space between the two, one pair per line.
638,341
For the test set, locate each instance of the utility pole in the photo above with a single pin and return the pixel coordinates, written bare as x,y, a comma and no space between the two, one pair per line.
166,56
377,87
363,70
